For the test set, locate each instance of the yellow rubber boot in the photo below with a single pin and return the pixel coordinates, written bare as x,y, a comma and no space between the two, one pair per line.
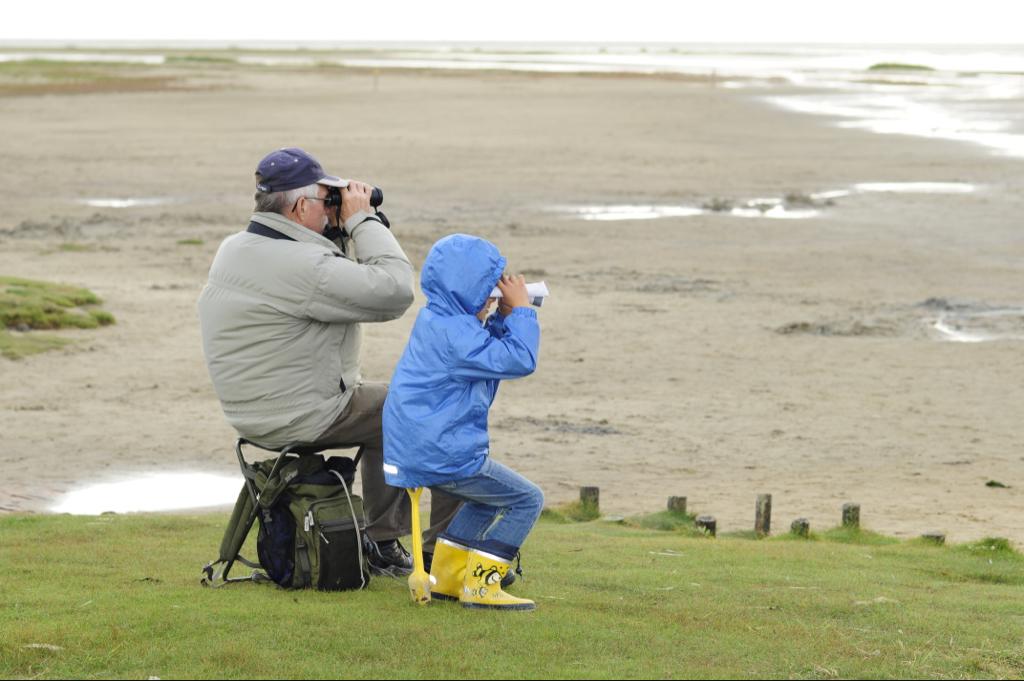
448,570
482,585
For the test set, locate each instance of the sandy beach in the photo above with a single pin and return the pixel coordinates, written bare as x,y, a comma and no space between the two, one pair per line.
711,356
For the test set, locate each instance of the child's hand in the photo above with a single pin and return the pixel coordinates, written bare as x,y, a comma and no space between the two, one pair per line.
485,310
513,293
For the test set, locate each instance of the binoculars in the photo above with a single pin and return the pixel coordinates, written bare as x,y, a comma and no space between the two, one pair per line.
334,197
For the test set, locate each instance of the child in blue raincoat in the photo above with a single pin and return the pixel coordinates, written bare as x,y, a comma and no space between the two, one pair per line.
435,417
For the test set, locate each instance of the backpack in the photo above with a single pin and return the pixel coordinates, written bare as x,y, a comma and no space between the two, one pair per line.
311,533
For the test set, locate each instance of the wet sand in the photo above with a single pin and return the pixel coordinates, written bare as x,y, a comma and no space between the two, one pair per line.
713,356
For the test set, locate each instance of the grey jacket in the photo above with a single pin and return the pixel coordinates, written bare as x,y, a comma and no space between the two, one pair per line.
280,323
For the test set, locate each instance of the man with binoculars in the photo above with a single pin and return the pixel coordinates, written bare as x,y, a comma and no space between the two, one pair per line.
280,320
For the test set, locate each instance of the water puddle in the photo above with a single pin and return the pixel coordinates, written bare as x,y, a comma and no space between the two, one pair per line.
830,195
981,326
794,206
935,319
152,492
124,203
631,212
756,208
771,208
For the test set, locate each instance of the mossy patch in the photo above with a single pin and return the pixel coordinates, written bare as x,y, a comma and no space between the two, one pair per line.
896,66
667,521
993,547
26,305
42,76
853,535
740,534
792,536
75,247
573,512
198,59
18,345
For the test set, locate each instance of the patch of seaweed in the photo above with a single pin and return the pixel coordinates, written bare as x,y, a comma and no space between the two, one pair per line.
556,425
844,329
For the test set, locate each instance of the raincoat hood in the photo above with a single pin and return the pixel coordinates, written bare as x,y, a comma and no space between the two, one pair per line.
459,274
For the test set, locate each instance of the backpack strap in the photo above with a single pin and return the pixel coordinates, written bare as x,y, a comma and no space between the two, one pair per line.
305,569
283,473
242,518
355,520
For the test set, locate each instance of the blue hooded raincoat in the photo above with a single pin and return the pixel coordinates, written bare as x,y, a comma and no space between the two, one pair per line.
435,416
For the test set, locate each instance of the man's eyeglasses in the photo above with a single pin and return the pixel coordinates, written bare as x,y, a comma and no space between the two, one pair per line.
308,198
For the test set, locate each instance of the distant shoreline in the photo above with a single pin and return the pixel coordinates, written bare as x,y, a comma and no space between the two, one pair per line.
426,44
961,93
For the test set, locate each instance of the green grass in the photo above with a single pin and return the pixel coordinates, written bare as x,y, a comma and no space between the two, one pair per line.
42,76
19,345
895,66
848,535
190,242
118,597
573,512
45,305
75,247
64,71
667,521
198,59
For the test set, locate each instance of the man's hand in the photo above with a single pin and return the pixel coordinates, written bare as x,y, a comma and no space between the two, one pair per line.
354,198
513,293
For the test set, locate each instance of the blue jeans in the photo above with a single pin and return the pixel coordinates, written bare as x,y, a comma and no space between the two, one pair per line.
500,509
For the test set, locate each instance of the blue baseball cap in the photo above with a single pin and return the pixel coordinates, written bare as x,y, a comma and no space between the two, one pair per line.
291,168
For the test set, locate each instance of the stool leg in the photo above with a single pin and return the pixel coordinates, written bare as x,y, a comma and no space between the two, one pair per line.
419,580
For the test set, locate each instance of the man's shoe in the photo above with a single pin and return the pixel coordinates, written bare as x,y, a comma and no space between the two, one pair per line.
390,559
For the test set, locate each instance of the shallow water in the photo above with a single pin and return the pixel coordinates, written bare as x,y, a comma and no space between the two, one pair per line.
124,203
1005,324
772,209
631,212
152,492
982,110
778,212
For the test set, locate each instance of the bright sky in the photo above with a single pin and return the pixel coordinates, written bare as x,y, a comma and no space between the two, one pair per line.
893,21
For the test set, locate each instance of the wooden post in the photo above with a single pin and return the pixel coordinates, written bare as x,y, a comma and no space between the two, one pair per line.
934,537
677,504
590,497
801,527
763,515
851,516
707,523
